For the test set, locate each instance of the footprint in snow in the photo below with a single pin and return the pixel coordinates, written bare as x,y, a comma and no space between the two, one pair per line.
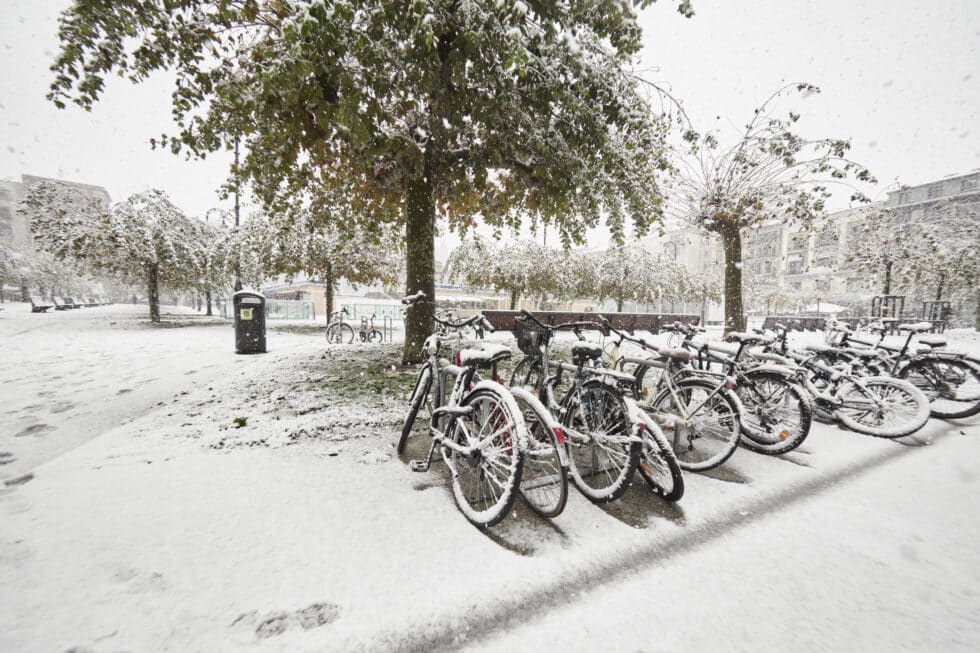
34,429
276,623
124,391
62,406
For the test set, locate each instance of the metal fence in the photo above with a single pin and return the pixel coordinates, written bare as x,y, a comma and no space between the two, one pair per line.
356,311
278,309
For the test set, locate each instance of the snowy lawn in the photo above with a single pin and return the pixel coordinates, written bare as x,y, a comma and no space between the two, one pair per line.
258,505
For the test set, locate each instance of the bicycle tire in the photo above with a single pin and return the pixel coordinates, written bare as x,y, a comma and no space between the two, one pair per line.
765,432
912,418
495,416
423,383
375,336
525,373
658,465
717,422
544,480
600,413
647,382
937,377
340,333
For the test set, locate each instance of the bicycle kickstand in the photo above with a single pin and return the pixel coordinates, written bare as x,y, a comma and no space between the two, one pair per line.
423,465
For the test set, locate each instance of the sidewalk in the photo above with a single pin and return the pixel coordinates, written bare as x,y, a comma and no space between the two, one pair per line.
146,539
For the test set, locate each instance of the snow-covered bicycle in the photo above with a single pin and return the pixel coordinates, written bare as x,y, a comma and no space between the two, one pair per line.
951,380
881,406
476,425
339,331
607,437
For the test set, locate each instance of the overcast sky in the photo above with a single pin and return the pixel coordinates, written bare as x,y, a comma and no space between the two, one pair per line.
901,78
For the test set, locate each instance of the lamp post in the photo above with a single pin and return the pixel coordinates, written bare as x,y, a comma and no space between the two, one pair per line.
238,267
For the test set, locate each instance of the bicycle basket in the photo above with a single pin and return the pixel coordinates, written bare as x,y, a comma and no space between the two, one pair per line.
529,337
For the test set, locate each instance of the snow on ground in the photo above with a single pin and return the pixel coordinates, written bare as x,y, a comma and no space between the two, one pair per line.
265,509
71,375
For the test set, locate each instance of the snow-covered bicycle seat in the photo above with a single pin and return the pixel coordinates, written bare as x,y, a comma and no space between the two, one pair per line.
934,340
748,338
918,327
583,351
677,354
483,358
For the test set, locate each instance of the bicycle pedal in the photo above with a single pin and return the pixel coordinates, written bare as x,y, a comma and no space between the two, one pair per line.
419,465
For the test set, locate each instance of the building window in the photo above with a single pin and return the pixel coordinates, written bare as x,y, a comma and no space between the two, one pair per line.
904,197
935,190
966,185
795,267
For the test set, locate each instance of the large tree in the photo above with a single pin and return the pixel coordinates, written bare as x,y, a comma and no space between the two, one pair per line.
632,273
518,267
421,109
144,239
318,242
769,174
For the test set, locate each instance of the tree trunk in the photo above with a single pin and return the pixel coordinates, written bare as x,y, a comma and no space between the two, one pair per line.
734,313
207,298
515,296
153,291
619,304
25,294
976,312
419,258
939,291
328,290
888,278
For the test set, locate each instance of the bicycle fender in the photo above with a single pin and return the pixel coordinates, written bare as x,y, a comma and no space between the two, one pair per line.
780,370
641,421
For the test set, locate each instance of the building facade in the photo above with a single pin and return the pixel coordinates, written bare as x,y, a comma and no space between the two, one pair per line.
791,267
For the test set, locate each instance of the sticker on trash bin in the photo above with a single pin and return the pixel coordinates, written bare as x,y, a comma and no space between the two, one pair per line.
246,313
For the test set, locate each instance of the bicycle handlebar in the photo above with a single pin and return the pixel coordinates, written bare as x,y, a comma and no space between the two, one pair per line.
526,315
486,323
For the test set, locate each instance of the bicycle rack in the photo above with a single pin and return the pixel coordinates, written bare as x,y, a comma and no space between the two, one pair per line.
387,328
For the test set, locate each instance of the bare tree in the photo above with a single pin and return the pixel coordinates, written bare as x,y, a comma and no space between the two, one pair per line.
770,174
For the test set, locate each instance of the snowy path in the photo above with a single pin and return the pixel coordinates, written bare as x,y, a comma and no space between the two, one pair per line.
300,531
69,376
882,560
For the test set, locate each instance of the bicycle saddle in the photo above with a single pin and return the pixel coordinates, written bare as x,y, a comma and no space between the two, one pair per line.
918,327
933,340
677,354
748,338
483,358
585,351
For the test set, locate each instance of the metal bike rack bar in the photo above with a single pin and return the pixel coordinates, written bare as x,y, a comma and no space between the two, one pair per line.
387,328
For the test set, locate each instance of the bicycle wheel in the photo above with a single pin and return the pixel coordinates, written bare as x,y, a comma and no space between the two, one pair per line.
882,406
340,333
544,481
648,382
952,386
423,383
776,413
525,373
708,430
374,336
658,465
603,462
485,482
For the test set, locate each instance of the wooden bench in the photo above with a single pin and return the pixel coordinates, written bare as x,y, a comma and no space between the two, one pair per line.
71,303
38,305
59,304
